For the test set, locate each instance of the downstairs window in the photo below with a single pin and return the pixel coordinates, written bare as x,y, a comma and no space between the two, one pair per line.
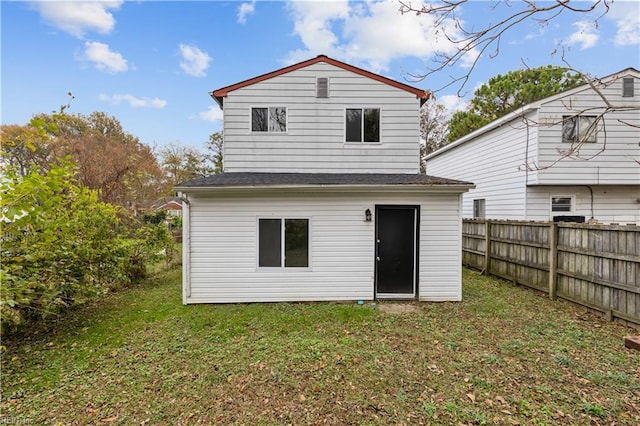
561,204
283,243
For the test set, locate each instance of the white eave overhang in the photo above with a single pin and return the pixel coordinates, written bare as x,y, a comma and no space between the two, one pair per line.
436,188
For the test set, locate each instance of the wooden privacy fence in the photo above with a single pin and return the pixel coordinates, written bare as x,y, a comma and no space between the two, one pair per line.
597,266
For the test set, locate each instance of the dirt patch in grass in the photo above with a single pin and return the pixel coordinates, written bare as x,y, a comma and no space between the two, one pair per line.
398,308
504,355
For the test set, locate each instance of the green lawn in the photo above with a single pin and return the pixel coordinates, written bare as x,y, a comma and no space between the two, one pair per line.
504,355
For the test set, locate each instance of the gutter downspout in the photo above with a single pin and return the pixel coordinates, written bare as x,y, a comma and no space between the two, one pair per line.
591,192
186,247
526,171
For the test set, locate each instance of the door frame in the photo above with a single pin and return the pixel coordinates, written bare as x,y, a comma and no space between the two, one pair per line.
416,253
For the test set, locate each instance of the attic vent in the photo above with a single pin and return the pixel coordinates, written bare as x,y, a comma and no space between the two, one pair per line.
322,87
627,87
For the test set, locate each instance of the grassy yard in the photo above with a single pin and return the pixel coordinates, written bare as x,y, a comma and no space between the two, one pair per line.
504,355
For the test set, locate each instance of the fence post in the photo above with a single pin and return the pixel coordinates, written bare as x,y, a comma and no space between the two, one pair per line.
553,259
487,247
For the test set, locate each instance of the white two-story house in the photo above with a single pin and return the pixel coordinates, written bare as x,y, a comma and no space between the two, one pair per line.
573,156
321,196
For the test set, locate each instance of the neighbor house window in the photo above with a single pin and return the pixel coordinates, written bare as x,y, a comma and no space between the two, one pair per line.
579,128
478,208
562,204
269,119
627,87
362,124
322,87
283,243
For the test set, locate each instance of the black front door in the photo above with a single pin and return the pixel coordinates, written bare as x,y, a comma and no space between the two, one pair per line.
396,250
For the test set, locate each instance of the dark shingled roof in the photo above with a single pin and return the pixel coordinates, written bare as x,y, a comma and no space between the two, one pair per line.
231,179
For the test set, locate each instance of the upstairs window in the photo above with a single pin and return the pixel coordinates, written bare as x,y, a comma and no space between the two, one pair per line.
362,124
579,129
561,204
322,87
283,243
269,119
627,87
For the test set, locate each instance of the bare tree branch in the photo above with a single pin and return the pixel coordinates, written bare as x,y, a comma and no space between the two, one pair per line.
478,42
469,43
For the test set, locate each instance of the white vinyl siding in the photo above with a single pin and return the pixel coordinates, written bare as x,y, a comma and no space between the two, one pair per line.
500,179
619,204
315,136
494,160
611,158
440,248
223,240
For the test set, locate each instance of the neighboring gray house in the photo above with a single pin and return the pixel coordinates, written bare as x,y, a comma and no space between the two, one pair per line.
320,198
520,172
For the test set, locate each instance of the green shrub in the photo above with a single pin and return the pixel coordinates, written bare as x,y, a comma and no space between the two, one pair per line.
61,246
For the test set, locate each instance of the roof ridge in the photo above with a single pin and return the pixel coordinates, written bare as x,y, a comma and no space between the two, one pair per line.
219,94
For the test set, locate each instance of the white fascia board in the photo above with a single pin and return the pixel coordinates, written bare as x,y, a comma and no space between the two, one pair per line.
441,188
520,112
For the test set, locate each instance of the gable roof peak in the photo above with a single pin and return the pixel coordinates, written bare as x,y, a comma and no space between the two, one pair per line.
219,94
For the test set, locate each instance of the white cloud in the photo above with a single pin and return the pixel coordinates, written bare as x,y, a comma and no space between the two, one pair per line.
313,22
627,18
212,114
371,33
586,35
246,9
194,61
133,101
79,17
104,58
453,103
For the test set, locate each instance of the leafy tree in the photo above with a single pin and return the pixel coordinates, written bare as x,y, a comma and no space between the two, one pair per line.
181,163
503,94
24,148
433,129
215,147
110,160
464,122
61,245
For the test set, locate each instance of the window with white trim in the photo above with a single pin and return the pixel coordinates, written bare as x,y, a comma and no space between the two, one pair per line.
269,119
479,208
283,243
562,204
579,128
362,124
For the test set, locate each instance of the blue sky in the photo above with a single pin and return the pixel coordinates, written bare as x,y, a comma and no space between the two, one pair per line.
151,64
